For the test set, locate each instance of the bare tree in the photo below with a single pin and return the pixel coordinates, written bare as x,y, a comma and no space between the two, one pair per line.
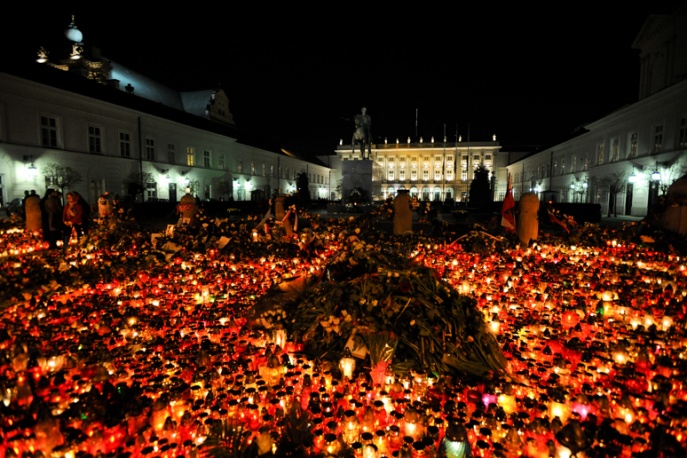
225,188
669,171
135,183
59,176
193,187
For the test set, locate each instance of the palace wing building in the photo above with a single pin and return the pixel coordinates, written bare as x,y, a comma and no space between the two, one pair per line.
84,115
626,160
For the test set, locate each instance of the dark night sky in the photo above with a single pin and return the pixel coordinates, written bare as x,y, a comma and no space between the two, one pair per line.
528,74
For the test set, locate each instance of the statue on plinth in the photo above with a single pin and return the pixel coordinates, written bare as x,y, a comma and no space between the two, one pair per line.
363,133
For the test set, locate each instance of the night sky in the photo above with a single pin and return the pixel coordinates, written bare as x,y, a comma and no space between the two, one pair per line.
296,77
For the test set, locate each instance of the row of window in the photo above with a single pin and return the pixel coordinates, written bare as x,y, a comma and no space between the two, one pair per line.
402,176
50,139
438,160
560,166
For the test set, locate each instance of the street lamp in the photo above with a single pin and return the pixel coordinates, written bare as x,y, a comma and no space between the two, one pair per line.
31,169
654,186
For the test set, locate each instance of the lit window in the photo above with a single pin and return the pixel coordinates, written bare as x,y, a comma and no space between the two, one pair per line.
632,145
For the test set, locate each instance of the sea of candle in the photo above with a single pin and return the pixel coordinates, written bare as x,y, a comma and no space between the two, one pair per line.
156,361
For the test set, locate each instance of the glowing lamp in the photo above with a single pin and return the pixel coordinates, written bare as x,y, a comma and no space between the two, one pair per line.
389,377
351,427
279,336
332,446
412,424
370,451
559,409
347,364
265,443
455,443
507,402
569,319
273,371
159,415
666,323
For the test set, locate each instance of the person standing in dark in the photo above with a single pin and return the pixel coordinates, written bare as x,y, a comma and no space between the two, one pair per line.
72,216
86,214
32,212
23,204
44,215
54,214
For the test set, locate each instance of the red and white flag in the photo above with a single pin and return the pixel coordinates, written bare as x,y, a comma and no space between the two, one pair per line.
555,220
508,209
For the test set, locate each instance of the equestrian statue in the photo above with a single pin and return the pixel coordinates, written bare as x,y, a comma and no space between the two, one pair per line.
362,135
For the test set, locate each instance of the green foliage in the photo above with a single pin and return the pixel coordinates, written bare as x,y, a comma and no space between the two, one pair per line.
303,188
59,176
480,188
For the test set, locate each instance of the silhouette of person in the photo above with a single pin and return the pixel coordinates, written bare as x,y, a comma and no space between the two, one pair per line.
32,212
54,214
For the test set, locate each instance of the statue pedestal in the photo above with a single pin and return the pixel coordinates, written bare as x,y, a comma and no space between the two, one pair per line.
361,174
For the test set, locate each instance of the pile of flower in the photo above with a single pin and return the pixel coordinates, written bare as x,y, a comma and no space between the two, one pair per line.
372,297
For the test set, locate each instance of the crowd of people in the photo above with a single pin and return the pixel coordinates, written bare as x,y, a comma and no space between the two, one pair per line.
59,221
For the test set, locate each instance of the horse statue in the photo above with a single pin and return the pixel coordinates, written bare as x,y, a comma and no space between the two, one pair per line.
361,134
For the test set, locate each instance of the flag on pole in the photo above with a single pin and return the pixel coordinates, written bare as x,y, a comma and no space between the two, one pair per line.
508,209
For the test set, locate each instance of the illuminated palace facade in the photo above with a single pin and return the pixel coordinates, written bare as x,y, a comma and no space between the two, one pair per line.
624,161
432,171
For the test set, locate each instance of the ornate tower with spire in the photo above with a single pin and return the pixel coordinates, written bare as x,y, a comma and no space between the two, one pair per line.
77,57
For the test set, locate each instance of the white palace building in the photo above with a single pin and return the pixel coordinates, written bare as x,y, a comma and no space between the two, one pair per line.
627,159
116,128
